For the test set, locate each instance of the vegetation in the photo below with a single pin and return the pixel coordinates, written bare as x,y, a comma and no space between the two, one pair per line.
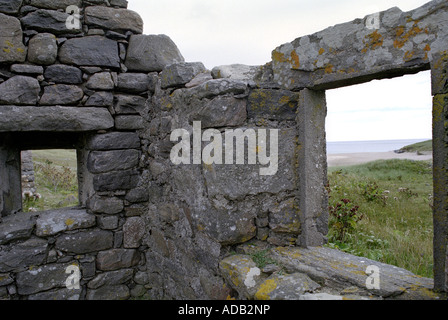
382,211
425,146
55,180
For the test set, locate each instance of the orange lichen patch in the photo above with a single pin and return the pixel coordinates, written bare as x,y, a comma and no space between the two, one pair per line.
278,56
295,60
321,51
373,41
403,37
408,55
427,49
329,69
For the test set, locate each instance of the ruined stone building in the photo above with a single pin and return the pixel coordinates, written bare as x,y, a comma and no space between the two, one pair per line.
79,74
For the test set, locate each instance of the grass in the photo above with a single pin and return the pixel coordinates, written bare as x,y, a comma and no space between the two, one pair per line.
55,180
425,146
394,199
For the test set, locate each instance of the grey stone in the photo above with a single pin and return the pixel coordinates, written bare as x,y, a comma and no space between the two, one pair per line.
129,122
55,4
179,74
111,278
100,99
85,241
284,217
23,255
119,3
17,226
222,111
57,119
90,51
19,90
27,69
114,141
120,292
286,287
52,21
57,295
117,259
104,161
213,88
53,222
133,231
147,53
61,94
128,104
118,180
5,279
114,19
60,73
199,79
236,72
43,49
141,277
101,81
42,278
108,222
273,104
10,6
106,205
326,265
133,82
12,48
137,195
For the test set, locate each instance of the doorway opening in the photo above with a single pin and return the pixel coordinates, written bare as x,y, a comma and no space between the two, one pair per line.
380,181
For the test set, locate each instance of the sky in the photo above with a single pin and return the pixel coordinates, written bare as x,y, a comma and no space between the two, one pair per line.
223,32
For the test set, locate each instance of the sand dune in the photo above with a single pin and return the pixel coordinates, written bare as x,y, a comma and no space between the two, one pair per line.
349,159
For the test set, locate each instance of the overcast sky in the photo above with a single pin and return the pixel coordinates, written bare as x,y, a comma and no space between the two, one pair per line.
222,32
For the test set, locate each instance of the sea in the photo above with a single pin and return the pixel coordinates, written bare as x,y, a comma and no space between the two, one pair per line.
369,146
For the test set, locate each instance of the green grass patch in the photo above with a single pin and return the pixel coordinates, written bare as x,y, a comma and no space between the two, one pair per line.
425,146
55,174
393,222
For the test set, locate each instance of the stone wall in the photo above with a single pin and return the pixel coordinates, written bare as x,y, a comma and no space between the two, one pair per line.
146,227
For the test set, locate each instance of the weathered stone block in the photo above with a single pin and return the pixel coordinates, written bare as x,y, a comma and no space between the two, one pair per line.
104,161
114,141
55,4
101,81
222,111
19,90
30,253
179,74
53,222
60,73
57,119
57,295
27,69
147,53
15,227
118,180
90,51
134,82
114,19
286,287
85,241
61,94
273,104
117,259
120,292
129,122
213,88
133,231
12,48
10,6
43,278
284,217
128,104
43,49
52,21
100,99
111,278
236,72
105,205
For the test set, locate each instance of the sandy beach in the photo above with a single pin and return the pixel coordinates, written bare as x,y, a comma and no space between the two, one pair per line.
335,160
